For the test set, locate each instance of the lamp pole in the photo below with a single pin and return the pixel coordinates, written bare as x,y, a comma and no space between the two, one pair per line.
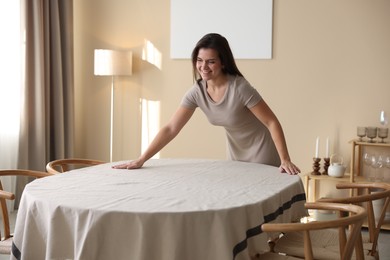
112,119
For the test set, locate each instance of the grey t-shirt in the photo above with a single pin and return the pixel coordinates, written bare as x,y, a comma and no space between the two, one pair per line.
247,138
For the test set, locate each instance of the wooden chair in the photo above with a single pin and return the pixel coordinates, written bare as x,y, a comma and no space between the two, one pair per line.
326,242
6,237
367,194
353,220
63,165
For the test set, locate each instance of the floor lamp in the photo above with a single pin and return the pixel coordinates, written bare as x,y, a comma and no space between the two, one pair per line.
112,63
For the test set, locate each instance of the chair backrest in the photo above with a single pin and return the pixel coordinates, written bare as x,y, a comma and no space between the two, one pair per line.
353,220
366,193
5,195
63,165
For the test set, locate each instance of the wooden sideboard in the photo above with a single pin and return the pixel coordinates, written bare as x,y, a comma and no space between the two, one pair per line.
355,174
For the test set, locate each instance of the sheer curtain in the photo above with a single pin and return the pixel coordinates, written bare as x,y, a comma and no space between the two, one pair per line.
10,70
47,113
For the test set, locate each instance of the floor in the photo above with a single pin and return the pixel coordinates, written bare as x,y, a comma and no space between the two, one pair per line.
383,243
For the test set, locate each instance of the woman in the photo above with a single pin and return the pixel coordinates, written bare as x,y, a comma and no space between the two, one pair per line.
253,132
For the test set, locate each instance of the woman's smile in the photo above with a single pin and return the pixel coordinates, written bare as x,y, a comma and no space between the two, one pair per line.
208,64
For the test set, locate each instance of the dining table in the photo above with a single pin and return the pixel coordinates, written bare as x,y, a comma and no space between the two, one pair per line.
170,209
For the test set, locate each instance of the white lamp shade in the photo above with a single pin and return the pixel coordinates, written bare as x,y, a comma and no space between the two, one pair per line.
113,63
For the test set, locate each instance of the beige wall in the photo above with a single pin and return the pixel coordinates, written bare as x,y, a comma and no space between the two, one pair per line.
330,72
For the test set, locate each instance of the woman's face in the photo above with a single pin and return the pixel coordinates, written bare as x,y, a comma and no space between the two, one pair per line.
208,64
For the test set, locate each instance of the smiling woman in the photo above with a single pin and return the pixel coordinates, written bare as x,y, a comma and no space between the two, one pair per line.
10,70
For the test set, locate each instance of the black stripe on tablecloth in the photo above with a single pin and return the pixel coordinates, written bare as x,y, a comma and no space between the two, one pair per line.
15,251
241,246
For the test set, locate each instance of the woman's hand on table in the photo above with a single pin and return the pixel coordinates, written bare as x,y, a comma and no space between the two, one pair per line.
135,164
289,168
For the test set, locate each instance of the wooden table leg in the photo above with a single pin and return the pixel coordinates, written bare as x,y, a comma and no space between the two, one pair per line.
307,179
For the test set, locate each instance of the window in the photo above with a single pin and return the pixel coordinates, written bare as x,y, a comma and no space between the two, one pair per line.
10,80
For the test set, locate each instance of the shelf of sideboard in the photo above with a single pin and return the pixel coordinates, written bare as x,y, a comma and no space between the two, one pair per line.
356,155
385,226
357,142
308,177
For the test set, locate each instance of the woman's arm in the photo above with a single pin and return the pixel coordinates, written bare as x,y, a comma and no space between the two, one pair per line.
163,137
262,112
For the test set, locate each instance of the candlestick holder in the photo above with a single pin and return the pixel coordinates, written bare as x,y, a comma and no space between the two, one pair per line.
326,166
316,166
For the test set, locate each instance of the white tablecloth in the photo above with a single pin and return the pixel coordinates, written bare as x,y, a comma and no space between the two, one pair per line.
171,209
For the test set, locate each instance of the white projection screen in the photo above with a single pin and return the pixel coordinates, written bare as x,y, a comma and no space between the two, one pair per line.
247,25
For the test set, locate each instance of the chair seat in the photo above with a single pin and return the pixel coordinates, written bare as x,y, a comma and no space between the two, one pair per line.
325,244
5,246
275,256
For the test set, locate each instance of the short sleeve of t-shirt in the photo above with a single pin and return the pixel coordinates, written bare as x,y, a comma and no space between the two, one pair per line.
248,95
189,100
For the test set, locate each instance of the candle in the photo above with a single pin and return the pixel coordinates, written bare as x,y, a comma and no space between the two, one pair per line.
327,148
317,146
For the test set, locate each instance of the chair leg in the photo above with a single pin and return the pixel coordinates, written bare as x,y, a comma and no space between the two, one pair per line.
272,242
359,248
